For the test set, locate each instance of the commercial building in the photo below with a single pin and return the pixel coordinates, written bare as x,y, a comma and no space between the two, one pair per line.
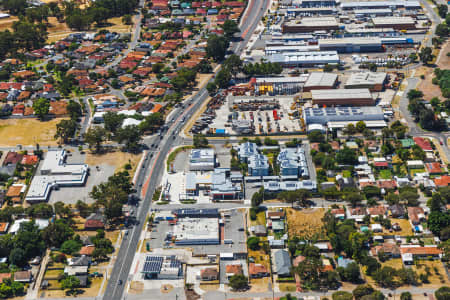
218,185
305,59
196,213
278,85
351,44
196,231
301,11
246,150
276,187
372,12
162,267
398,23
326,115
292,162
202,160
319,81
289,48
258,165
54,173
242,126
374,81
310,25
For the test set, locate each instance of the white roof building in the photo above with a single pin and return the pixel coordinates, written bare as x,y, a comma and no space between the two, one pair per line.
55,172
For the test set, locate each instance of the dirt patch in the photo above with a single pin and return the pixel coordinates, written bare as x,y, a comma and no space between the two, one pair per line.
7,23
27,132
259,285
406,228
443,60
306,223
136,287
117,159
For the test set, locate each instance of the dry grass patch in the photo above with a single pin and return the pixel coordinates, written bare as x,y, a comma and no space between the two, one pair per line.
117,159
209,287
27,132
434,277
259,285
306,223
115,24
406,228
287,287
136,287
7,23
260,219
395,263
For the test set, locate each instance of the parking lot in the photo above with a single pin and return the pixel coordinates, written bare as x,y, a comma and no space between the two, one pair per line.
264,121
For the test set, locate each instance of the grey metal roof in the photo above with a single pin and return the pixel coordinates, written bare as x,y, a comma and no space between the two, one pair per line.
282,262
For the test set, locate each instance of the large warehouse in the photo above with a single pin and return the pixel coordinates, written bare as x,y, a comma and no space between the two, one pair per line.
311,25
351,44
348,97
374,81
323,116
398,23
305,59
380,4
196,231
320,81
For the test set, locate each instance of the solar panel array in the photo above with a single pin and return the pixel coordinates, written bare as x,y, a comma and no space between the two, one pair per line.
153,264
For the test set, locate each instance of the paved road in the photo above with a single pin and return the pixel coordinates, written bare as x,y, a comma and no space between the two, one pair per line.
154,166
434,18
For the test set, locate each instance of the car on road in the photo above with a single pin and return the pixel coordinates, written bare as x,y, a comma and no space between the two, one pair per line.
120,282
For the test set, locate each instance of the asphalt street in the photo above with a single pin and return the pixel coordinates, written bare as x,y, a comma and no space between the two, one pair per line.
154,164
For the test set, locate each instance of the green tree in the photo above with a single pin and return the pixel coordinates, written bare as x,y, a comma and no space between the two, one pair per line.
406,296
95,137
71,247
217,47
74,110
57,233
362,290
18,257
360,126
442,30
253,242
443,293
223,78
385,277
238,282
230,27
442,10
41,107
426,55
316,137
234,64
70,283
131,135
346,156
65,129
112,121
211,88
127,20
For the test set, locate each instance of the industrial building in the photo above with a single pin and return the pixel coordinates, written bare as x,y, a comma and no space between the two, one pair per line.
246,150
54,173
398,23
305,59
278,85
351,44
347,97
162,267
290,48
202,160
196,231
372,12
301,11
310,25
381,4
334,117
374,81
319,81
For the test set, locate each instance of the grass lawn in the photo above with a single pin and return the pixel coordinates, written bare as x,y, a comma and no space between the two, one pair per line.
53,273
28,132
405,226
385,174
413,172
306,223
346,174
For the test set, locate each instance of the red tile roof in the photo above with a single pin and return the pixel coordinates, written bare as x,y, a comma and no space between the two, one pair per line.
433,168
255,269
87,250
423,143
29,159
427,250
442,181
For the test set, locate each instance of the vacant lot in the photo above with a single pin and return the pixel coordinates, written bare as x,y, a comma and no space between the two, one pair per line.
306,223
117,159
437,275
27,132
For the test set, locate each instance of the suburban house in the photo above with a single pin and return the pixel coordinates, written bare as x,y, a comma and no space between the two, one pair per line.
209,274
94,221
416,215
233,269
411,252
282,263
257,270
